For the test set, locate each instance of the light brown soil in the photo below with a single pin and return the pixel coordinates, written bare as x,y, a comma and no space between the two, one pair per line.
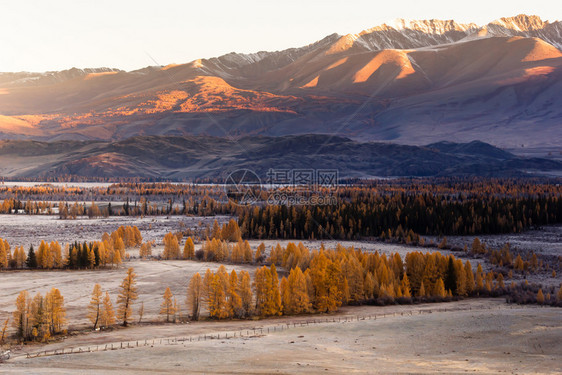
472,336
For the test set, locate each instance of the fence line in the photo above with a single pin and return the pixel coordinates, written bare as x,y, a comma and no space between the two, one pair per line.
243,333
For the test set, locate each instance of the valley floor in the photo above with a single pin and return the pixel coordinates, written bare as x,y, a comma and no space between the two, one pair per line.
483,336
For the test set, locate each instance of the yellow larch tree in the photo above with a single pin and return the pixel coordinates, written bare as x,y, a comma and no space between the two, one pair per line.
234,298
297,293
479,278
171,247
422,292
127,296
217,302
405,286
116,259
107,317
440,288
167,307
540,297
274,306
368,286
3,255
260,253
285,296
245,291
20,315
195,295
145,250
55,311
189,249
247,251
262,283
96,305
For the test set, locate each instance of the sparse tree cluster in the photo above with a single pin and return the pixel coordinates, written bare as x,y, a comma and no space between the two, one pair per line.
39,318
100,310
109,251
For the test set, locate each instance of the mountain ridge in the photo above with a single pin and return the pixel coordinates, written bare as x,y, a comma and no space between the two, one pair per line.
193,157
456,85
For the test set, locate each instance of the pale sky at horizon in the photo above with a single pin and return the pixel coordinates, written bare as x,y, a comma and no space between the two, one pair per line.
39,35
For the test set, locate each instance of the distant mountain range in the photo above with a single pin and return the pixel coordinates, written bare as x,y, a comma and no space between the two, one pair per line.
412,83
415,82
194,157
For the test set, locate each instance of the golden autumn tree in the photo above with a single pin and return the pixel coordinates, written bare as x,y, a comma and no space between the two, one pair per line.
3,255
262,284
422,292
353,272
20,315
500,281
37,315
461,278
171,247
245,292
96,306
405,286
274,296
260,253
230,232
540,297
43,255
440,289
55,311
195,295
145,250
217,302
116,259
296,293
189,249
107,317
247,252
479,278
167,307
327,282
127,296
234,298
119,246
285,295
415,265
207,279
4,330
56,260
368,286
216,230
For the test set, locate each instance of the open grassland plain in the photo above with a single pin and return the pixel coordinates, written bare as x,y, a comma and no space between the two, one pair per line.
26,230
471,336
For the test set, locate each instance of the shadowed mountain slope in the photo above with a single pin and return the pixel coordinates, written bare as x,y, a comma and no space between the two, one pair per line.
203,156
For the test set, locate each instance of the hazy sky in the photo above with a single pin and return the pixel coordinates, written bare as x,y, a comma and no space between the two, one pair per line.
39,35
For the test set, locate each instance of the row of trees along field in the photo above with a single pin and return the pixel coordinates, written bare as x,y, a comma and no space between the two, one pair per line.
334,278
226,244
138,194
366,209
39,318
110,251
373,215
